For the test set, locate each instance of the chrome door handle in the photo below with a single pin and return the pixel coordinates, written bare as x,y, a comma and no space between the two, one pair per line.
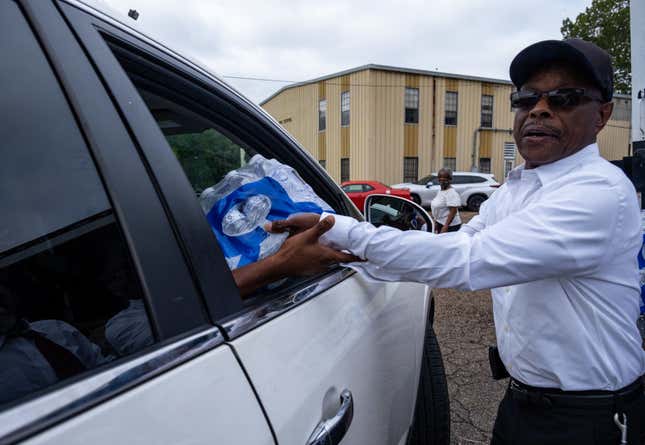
332,430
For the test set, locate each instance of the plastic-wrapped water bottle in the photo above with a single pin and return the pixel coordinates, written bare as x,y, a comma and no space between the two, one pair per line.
238,207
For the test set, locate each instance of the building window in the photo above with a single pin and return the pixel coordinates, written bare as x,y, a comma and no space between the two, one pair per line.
410,169
484,165
344,169
487,111
344,109
450,163
508,166
323,163
451,108
509,150
509,157
322,115
411,105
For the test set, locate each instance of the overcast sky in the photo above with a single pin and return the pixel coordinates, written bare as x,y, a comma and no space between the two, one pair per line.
302,40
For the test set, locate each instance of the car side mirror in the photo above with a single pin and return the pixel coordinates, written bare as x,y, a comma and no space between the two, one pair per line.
397,212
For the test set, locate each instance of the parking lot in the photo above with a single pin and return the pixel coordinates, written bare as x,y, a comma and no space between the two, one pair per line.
464,327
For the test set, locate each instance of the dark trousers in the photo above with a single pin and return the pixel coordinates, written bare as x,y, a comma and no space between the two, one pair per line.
439,226
525,422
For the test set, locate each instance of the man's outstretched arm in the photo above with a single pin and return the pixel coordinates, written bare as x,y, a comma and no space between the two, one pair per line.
543,240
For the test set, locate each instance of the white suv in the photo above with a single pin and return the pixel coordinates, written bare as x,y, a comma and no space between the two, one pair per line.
474,188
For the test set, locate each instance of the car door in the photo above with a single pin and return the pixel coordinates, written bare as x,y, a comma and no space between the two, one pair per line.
475,185
355,193
109,341
460,183
364,192
431,189
304,342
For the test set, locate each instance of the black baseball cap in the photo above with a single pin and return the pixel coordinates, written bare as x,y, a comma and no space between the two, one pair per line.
584,57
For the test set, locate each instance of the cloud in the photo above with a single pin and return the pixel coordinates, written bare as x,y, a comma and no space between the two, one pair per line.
307,39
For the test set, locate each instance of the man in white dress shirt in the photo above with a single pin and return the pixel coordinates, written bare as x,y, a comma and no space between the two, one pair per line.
557,244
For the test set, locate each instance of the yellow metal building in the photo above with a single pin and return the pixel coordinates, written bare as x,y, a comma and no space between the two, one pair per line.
395,124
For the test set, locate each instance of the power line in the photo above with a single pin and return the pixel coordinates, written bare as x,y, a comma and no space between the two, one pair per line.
350,84
260,79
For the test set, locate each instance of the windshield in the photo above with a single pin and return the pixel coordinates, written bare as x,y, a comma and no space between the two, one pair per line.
425,179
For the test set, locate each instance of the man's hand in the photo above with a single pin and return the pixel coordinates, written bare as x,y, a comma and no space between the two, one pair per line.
296,224
302,254
444,229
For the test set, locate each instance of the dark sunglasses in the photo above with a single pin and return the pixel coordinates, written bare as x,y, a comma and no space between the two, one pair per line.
560,98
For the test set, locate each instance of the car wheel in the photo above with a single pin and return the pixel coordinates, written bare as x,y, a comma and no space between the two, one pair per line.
416,199
475,201
431,424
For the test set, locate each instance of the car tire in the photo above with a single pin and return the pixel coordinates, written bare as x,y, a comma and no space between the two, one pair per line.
416,199
475,201
431,423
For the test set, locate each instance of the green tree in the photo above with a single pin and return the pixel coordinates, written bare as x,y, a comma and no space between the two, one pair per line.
606,23
206,157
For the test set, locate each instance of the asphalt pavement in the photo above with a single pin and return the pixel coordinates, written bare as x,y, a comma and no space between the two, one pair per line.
464,326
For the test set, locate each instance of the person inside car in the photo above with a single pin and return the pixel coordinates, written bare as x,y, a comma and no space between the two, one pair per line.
34,355
557,244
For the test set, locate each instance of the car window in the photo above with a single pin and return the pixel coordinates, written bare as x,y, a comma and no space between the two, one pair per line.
474,179
426,179
367,188
353,188
467,179
221,165
70,299
458,179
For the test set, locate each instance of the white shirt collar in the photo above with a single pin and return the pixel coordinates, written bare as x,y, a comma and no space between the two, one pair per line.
552,171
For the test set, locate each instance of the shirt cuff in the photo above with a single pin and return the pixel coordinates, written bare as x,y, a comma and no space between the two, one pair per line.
338,236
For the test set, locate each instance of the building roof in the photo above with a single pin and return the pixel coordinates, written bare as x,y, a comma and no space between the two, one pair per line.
397,69
394,69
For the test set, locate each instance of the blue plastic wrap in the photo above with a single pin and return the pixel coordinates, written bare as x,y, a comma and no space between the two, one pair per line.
238,207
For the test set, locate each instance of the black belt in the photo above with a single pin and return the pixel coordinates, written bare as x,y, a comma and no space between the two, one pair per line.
548,397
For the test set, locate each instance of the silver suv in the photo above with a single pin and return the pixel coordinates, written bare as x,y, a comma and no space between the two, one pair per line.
474,188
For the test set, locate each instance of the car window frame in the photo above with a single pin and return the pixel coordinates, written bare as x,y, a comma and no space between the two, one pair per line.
120,171
237,115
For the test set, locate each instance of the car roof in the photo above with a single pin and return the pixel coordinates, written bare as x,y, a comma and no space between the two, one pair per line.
469,174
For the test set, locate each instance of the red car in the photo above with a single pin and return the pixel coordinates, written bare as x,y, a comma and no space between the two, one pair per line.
359,190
